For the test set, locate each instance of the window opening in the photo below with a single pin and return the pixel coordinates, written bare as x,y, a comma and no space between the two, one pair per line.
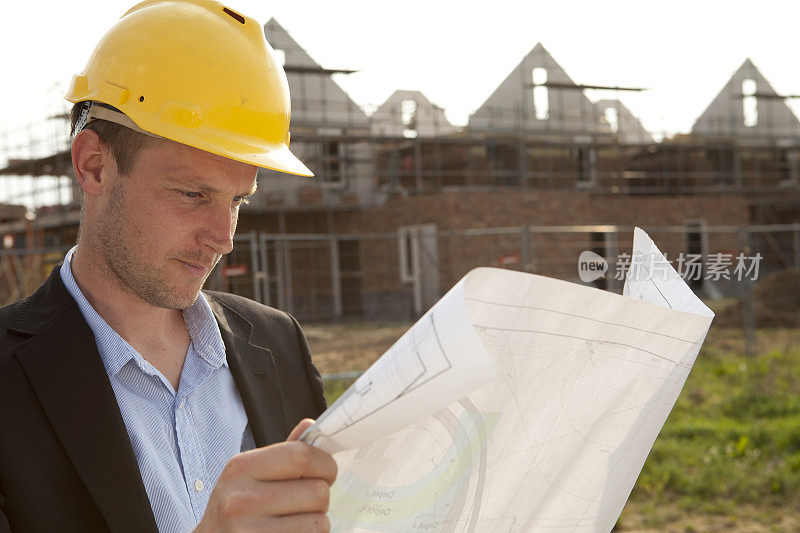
612,118
408,115
333,161
587,162
749,103
541,99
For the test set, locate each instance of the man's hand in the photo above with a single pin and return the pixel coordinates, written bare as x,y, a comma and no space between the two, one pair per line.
282,487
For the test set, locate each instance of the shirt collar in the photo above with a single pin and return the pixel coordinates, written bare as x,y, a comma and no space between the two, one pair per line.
204,331
115,351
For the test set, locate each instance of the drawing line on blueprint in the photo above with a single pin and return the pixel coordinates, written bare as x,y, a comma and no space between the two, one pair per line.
653,283
517,306
614,343
350,418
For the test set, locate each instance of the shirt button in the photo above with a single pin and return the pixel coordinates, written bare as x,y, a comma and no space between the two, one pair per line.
198,485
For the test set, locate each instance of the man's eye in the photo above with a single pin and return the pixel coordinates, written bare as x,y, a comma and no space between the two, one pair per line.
240,200
191,194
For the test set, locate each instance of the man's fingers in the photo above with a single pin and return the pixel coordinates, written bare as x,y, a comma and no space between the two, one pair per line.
274,498
282,487
298,430
312,522
306,522
285,460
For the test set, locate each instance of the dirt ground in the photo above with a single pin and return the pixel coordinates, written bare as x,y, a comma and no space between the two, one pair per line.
346,347
672,519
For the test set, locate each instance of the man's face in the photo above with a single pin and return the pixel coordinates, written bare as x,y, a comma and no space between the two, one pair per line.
164,226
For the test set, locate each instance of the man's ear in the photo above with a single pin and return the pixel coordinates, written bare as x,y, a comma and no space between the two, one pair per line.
88,160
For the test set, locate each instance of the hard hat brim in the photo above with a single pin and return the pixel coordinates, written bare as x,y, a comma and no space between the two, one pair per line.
274,157
282,160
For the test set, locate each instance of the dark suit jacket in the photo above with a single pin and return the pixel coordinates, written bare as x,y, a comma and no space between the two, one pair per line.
66,463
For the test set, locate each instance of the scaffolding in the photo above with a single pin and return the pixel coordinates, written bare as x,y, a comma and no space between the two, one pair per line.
35,165
539,131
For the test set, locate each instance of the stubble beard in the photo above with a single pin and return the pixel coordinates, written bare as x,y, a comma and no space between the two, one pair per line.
122,256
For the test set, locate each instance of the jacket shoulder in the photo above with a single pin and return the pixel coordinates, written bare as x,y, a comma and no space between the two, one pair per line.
9,313
9,316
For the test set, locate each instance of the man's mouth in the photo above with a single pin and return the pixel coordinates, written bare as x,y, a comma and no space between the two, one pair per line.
196,268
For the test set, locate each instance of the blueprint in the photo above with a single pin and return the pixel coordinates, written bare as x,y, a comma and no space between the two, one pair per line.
517,403
652,278
430,366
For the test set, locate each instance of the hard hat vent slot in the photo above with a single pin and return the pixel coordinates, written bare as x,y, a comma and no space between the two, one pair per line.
234,15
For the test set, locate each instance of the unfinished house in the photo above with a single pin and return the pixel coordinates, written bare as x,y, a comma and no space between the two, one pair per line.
415,138
748,109
746,143
754,134
746,140
410,114
623,123
538,96
330,133
753,144
542,131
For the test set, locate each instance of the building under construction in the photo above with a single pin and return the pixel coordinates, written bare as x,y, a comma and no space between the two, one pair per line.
404,203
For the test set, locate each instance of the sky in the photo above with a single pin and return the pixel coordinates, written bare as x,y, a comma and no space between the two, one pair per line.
455,52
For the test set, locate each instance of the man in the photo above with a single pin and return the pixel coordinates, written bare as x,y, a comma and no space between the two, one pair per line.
130,400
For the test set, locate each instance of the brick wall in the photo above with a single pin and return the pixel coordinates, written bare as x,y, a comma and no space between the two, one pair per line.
382,294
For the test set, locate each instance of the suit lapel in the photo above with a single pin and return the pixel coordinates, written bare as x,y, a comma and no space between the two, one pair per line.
254,370
64,367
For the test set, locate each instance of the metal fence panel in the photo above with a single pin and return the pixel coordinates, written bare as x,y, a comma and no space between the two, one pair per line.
398,276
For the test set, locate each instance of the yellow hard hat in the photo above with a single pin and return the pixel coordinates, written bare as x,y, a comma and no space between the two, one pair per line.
199,73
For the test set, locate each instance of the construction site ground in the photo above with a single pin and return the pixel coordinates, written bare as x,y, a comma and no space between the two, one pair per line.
728,458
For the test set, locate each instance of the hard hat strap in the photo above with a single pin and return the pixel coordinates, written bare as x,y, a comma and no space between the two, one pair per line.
99,111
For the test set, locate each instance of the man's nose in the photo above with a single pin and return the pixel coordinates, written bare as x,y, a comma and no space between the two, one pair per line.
218,229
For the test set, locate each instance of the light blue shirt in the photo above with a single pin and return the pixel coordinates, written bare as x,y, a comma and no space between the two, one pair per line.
182,439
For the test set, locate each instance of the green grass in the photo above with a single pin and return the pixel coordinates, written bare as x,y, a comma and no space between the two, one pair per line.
732,440
335,387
